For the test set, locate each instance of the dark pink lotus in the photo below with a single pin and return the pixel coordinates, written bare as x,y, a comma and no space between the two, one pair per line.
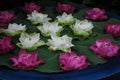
5,45
70,61
113,28
96,14
6,17
26,60
30,7
68,8
105,48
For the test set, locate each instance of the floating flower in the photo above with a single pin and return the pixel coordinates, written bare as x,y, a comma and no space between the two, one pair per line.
5,45
65,19
113,29
26,61
30,7
6,17
96,14
30,41
68,8
14,29
70,61
105,48
38,18
60,43
82,28
48,29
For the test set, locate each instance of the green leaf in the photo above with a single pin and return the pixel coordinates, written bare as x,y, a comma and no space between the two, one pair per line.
5,59
51,60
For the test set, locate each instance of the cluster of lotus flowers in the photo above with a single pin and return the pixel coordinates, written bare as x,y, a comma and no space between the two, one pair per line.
30,42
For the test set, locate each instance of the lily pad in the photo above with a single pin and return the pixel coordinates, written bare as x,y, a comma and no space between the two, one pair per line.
51,58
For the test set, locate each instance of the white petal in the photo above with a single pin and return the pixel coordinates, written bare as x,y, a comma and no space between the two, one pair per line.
38,17
65,17
12,28
29,40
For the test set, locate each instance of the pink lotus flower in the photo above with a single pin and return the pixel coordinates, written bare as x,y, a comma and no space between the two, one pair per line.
70,61
105,48
6,17
5,45
30,7
68,8
96,14
113,29
26,61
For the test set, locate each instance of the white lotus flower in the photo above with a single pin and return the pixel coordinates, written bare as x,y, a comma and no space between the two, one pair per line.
65,19
14,29
30,41
48,29
38,18
83,28
60,43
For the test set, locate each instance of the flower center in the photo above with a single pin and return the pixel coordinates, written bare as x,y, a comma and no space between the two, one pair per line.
26,56
106,44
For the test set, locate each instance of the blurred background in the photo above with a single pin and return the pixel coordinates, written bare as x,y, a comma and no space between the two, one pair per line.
109,5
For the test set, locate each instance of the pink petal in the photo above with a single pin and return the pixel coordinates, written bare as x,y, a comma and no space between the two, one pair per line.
70,61
21,55
26,61
105,48
6,17
68,8
15,60
30,7
113,29
5,45
96,14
